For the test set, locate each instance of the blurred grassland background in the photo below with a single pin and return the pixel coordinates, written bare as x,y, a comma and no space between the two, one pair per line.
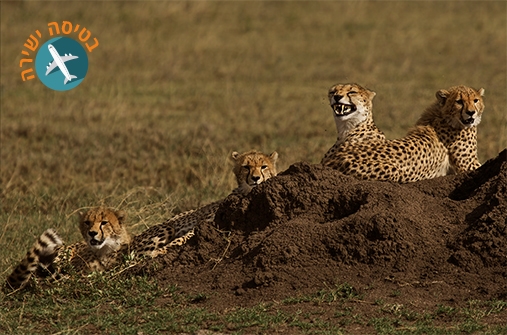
175,87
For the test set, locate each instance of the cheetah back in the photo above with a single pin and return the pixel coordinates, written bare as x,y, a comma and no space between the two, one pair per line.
175,231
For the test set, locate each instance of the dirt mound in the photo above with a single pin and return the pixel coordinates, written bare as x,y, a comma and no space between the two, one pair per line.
443,239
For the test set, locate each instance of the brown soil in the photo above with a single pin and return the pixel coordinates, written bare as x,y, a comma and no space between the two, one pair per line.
440,241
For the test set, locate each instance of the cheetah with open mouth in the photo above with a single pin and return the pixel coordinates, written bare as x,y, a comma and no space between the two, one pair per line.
444,141
352,111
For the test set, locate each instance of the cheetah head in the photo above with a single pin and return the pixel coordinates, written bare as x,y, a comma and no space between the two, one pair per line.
351,104
252,168
103,229
462,105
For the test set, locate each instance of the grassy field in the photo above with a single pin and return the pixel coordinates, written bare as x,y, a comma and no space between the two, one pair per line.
175,87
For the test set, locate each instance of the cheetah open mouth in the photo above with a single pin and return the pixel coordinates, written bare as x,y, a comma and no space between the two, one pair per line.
95,243
468,121
342,109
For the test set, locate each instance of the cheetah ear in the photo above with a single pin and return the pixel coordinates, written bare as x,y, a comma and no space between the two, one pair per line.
372,95
121,215
234,155
273,156
481,92
442,96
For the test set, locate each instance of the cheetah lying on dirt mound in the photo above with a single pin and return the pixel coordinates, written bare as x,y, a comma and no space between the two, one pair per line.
107,242
443,141
352,110
250,168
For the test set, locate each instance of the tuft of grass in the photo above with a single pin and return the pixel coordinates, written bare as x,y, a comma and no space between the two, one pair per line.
253,317
445,310
340,292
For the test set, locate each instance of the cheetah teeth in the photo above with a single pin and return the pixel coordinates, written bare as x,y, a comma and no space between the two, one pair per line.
342,110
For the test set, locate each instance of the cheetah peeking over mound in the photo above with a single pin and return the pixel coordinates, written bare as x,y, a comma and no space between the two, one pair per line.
444,141
250,169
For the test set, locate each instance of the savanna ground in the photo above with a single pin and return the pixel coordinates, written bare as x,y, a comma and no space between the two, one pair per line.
171,91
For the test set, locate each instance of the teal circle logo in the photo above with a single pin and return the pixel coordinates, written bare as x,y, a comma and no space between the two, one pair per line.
61,64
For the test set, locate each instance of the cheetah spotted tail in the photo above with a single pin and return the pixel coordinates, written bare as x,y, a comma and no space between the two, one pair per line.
42,254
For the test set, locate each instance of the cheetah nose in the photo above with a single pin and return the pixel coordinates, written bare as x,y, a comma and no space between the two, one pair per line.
337,97
92,233
471,113
256,178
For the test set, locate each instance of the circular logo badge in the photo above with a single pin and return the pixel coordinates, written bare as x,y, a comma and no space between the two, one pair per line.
61,63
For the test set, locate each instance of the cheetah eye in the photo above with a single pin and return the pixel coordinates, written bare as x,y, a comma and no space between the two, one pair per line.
460,101
352,92
246,167
264,167
87,222
476,100
103,223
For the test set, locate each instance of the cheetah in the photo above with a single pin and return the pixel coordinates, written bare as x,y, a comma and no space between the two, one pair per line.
250,169
107,242
104,235
352,110
443,141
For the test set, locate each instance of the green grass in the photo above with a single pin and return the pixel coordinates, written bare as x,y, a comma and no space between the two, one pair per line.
174,88
104,303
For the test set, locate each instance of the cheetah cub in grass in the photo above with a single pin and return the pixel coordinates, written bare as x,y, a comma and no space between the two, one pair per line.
443,141
107,242
353,115
104,235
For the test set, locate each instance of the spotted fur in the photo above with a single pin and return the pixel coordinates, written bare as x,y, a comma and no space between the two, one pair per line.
444,141
40,256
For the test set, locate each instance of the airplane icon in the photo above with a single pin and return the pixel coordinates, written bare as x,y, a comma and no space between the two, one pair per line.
60,62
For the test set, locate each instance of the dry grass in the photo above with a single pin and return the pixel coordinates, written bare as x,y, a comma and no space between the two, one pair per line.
174,87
